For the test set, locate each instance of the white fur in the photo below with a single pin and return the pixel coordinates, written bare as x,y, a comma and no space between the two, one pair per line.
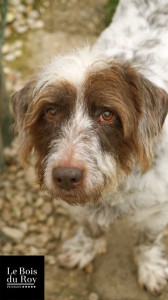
73,250
72,67
139,33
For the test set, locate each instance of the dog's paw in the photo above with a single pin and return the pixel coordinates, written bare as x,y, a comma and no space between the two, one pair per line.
153,276
80,250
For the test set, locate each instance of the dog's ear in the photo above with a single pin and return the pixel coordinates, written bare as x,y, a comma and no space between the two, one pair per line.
21,102
153,102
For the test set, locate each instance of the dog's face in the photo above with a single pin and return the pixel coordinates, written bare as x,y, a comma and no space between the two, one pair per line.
89,120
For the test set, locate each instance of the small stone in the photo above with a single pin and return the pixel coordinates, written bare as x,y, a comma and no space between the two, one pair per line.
2,223
30,23
19,200
20,248
89,268
93,296
6,48
47,208
64,234
12,177
17,44
102,247
23,226
1,203
18,53
6,215
61,210
13,169
8,195
41,216
32,227
33,14
20,184
51,246
50,221
33,251
21,29
39,240
21,8
6,185
30,198
9,153
10,17
42,239
50,260
56,232
16,2
30,1
16,212
14,233
43,228
20,174
37,24
10,57
72,297
27,212
7,248
7,32
30,240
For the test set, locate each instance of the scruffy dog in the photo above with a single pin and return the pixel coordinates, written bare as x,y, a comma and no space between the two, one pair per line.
98,128
99,132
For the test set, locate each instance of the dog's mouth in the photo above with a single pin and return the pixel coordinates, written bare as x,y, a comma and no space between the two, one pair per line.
76,196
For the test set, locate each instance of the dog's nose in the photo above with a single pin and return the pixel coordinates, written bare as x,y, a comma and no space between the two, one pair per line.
67,178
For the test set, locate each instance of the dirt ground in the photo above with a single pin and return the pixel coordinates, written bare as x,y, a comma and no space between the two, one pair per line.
40,224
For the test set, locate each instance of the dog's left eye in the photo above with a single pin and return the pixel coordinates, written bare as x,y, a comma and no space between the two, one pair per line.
106,117
51,114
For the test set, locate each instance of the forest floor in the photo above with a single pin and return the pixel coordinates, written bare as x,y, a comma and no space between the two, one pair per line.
31,223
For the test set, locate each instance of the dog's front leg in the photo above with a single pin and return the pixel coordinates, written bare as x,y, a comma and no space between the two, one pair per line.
150,257
80,249
85,244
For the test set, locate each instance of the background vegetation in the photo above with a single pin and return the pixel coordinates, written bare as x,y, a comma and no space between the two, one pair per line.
111,7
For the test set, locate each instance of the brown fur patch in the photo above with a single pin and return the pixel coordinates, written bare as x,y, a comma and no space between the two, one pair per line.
42,132
140,108
109,90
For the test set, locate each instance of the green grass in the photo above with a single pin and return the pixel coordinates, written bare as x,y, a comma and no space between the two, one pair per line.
111,7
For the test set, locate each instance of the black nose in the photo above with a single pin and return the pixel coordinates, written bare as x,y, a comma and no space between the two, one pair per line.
67,178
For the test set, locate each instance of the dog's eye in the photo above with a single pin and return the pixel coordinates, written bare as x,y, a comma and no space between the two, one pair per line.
107,116
51,114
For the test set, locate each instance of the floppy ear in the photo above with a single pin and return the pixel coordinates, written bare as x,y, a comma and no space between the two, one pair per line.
154,107
21,102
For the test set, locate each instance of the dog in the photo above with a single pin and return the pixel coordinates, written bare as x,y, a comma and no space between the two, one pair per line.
99,132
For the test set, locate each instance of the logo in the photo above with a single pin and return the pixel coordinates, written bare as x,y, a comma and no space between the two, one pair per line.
22,277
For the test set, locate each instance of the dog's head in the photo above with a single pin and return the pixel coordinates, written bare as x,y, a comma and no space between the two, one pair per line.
89,120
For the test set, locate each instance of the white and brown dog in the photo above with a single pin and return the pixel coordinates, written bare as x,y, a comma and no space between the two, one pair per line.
99,132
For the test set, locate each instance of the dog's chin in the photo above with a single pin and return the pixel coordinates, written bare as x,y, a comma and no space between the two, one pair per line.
76,196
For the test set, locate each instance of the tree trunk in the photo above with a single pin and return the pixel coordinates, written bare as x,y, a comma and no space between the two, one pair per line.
5,117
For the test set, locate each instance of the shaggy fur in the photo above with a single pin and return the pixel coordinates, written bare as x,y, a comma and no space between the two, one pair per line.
102,119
